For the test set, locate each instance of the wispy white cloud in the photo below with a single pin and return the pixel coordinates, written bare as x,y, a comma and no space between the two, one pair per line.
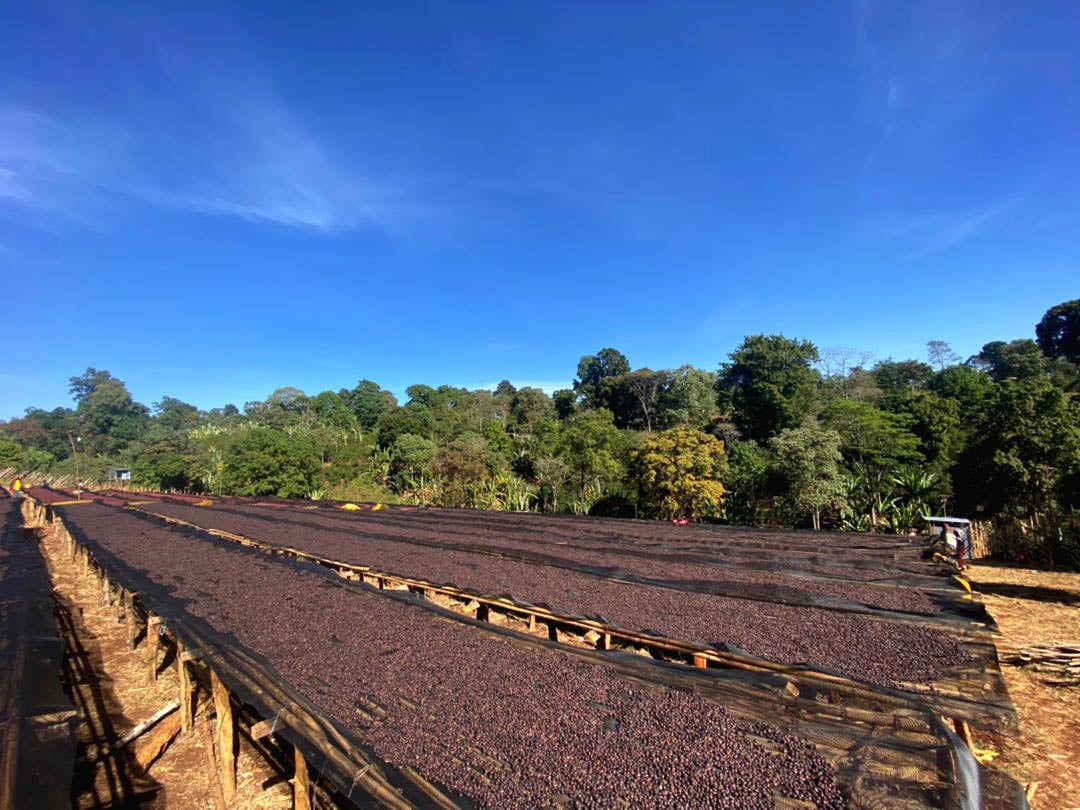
925,66
939,232
33,156
260,162
218,141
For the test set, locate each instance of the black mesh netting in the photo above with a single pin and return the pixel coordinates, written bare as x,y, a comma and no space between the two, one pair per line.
500,717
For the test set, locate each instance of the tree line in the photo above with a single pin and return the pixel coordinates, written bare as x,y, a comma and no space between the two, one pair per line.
779,433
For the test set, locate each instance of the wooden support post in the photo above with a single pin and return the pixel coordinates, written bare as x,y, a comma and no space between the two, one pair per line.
963,730
208,747
301,783
700,661
604,642
532,621
153,624
132,616
226,736
133,624
187,717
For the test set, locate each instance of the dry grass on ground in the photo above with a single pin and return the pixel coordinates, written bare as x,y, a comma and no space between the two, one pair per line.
113,691
1038,607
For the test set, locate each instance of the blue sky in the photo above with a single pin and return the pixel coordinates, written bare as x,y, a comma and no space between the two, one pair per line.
214,200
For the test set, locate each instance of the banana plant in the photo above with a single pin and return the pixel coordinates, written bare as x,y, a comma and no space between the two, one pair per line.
382,465
520,494
915,484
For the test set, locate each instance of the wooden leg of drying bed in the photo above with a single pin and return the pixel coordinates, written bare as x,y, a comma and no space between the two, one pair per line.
152,625
118,604
963,730
226,736
208,747
302,783
701,662
183,677
132,622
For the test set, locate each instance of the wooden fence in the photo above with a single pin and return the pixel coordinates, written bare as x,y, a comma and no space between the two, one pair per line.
1041,538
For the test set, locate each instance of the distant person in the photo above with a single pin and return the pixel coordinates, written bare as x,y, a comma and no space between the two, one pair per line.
16,487
963,547
944,543
948,540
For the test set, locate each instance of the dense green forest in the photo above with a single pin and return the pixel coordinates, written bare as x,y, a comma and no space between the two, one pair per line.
779,433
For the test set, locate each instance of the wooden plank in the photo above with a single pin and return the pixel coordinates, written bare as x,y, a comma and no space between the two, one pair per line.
153,745
136,732
261,729
226,736
301,783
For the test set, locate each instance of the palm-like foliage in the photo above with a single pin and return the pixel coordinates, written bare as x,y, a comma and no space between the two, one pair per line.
914,484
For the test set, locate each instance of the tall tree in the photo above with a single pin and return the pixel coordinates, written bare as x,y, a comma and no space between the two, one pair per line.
935,420
941,354
1015,360
369,402
689,400
590,444
646,386
839,361
747,481
85,384
413,418
565,402
900,377
263,461
967,386
528,407
462,465
807,462
1058,333
108,417
175,415
679,473
593,369
872,437
1026,439
769,384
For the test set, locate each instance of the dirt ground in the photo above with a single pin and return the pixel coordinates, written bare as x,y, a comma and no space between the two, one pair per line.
1038,607
112,688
